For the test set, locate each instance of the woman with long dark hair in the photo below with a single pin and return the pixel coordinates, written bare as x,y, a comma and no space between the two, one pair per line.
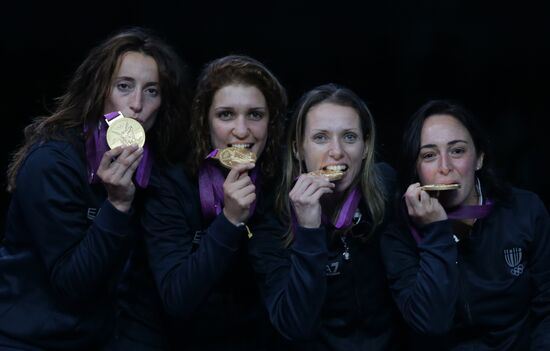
70,222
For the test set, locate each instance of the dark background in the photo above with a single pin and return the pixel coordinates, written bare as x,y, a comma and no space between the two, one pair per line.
396,55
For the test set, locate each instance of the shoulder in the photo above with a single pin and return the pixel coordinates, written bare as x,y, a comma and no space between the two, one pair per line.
522,199
52,156
385,170
525,201
387,176
171,177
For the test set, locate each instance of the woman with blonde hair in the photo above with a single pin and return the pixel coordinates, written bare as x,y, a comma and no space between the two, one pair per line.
321,274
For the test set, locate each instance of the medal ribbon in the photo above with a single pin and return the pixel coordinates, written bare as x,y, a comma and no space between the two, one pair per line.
211,179
461,212
344,216
96,146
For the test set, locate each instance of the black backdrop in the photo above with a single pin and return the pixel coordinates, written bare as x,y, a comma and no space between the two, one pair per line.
396,55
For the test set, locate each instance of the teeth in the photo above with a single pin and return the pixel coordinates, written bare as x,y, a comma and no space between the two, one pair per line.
340,168
242,146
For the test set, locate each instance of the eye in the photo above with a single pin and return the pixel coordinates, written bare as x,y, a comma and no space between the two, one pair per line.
320,138
458,151
350,137
152,91
427,156
224,115
124,86
256,115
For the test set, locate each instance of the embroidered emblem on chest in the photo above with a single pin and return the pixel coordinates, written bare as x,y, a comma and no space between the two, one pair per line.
513,260
331,268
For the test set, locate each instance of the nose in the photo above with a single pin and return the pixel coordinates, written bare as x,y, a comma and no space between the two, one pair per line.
240,129
335,151
445,164
136,102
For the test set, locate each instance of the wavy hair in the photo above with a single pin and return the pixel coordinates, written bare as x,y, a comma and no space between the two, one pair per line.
237,69
84,99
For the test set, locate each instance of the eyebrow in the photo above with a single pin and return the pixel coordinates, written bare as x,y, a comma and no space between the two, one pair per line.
232,107
133,80
345,130
450,143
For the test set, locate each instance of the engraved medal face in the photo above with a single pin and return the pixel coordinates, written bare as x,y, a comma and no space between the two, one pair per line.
232,156
124,132
440,187
332,175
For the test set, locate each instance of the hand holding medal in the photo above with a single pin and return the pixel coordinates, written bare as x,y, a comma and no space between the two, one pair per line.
125,137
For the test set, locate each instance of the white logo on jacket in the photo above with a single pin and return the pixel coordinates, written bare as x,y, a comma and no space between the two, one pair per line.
332,268
513,260
92,213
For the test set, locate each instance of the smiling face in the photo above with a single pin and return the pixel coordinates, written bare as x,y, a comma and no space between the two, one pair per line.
238,116
135,89
333,139
448,155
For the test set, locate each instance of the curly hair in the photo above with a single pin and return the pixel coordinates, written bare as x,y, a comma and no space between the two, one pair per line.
235,69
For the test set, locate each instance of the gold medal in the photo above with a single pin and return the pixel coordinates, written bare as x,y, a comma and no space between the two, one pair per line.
124,131
440,187
331,174
232,156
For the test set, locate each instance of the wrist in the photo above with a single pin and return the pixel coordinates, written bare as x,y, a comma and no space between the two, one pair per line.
229,217
122,206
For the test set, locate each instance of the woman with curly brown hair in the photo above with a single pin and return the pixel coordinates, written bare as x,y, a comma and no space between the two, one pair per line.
200,216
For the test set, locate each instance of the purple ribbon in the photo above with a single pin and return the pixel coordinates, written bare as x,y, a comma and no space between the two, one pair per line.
461,212
96,146
211,179
344,216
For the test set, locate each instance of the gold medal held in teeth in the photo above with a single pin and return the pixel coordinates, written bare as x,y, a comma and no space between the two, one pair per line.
440,187
231,156
331,174
124,131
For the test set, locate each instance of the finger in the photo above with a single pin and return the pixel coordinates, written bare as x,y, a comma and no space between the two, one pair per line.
413,200
424,197
241,168
246,201
316,196
129,173
231,187
246,168
410,206
412,190
300,185
124,161
309,180
315,185
108,157
234,173
243,192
